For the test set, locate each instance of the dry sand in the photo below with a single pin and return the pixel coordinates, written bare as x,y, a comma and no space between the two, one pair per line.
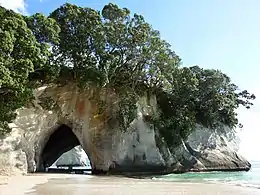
51,184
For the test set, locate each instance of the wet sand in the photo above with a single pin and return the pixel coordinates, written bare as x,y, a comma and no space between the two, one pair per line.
50,184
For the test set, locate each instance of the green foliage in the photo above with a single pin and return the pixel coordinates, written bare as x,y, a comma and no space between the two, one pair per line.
19,51
46,32
22,58
197,95
110,49
218,98
177,117
115,50
127,109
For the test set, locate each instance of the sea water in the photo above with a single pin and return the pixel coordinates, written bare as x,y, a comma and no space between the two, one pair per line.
249,179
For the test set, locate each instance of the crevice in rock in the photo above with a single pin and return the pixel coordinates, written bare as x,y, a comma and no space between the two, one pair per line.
191,151
237,165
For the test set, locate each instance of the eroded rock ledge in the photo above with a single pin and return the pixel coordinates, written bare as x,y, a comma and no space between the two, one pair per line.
138,150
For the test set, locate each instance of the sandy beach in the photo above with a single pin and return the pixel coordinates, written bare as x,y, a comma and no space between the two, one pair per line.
54,184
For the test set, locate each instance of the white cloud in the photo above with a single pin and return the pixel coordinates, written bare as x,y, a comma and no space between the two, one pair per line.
16,5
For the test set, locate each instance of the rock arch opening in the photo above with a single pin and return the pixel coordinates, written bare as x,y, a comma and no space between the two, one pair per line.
63,150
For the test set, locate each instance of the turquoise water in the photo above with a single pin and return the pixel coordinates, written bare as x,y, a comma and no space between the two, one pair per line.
249,179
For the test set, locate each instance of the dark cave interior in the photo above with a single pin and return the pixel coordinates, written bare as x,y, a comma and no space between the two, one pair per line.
61,141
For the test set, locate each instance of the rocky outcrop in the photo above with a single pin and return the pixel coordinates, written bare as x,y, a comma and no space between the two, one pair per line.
74,157
211,150
137,149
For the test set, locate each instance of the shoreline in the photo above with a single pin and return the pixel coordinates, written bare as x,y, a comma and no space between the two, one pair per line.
47,183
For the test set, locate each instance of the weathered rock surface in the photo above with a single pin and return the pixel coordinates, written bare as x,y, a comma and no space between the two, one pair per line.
108,148
211,149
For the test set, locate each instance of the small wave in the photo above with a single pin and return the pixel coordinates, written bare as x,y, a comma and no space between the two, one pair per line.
251,182
229,181
242,183
249,179
245,184
257,186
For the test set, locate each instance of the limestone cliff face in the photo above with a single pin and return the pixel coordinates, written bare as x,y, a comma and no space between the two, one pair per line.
211,149
138,149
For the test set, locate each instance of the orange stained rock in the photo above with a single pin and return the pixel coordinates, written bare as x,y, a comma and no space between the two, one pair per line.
80,107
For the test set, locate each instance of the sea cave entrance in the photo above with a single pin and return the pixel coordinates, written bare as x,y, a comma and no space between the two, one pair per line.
63,153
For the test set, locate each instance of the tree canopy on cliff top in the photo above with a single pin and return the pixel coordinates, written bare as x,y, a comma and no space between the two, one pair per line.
114,49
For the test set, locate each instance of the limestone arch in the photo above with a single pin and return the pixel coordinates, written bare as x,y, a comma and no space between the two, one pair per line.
56,141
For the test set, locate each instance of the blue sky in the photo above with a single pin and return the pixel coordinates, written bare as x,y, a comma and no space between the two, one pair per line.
217,34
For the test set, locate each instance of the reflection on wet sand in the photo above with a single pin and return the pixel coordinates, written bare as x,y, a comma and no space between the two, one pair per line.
93,185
